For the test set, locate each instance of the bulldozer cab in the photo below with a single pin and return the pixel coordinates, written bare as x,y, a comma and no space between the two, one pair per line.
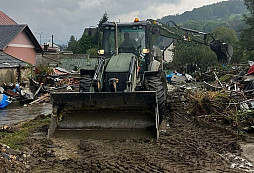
126,37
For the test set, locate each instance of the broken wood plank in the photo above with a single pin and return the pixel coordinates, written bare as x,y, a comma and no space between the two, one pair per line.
39,99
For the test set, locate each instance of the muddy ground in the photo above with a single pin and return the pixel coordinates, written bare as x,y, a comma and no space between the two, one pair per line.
186,144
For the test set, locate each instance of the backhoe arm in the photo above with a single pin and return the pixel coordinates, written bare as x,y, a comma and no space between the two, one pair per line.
223,51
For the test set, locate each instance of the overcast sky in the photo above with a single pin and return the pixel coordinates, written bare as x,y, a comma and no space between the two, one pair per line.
63,18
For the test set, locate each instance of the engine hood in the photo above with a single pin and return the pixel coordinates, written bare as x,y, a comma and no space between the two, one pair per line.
119,63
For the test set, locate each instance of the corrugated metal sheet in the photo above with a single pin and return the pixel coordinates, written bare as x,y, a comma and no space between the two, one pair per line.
6,20
80,63
7,61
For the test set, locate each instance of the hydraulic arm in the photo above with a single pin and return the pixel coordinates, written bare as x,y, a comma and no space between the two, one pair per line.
223,51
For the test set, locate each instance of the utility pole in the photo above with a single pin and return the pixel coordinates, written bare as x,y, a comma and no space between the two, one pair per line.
52,40
40,35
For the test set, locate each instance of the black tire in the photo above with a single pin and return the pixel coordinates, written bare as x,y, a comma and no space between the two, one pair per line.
156,83
85,83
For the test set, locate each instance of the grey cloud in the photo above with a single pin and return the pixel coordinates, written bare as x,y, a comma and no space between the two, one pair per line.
64,18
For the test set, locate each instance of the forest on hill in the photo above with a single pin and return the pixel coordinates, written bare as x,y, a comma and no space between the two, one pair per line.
207,18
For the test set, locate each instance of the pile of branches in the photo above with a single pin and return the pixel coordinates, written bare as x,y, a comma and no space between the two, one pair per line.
222,108
205,103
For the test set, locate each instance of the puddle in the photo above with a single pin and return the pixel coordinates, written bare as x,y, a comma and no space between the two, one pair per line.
10,116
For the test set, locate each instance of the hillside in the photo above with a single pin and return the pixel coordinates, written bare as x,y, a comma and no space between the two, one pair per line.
206,18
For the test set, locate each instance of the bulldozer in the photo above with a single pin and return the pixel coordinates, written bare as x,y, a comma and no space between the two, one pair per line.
124,94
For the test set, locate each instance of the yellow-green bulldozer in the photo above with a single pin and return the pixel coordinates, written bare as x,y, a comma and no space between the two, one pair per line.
124,94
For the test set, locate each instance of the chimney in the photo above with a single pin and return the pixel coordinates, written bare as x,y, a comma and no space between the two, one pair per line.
46,46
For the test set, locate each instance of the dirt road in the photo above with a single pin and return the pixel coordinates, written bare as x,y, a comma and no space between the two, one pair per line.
186,144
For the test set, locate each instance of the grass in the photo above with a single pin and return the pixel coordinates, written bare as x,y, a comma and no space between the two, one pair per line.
225,78
15,139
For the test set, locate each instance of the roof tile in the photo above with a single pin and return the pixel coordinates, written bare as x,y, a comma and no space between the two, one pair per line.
6,20
8,32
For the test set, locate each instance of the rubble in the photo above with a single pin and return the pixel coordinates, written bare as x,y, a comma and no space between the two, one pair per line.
202,131
225,97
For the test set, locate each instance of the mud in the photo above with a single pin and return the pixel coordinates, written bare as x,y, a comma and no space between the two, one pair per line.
14,115
248,151
186,144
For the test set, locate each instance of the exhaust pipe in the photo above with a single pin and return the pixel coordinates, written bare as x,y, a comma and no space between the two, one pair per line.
116,41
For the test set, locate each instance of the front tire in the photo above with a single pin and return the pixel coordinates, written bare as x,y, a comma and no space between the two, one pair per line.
157,83
85,84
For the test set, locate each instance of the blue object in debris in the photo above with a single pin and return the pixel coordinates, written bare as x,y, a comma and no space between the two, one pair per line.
4,102
169,76
16,89
6,156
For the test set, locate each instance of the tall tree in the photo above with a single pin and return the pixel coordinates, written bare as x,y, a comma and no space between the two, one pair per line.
72,45
226,35
85,42
88,43
103,20
99,33
193,53
247,35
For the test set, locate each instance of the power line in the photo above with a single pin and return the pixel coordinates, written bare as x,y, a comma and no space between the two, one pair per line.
40,35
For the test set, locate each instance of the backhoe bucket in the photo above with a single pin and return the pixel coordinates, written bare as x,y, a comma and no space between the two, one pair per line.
104,115
223,51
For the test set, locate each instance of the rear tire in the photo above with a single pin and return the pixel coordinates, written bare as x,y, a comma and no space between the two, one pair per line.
85,83
157,83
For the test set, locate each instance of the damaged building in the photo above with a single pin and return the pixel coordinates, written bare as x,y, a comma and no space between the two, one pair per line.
18,49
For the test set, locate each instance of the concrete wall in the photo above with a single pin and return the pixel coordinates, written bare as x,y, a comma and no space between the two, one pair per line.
22,48
53,59
8,75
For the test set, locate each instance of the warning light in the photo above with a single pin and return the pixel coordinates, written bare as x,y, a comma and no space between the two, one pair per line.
136,19
145,51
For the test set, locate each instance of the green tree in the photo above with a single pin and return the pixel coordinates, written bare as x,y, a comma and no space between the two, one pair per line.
247,34
229,36
98,35
226,35
86,42
103,20
91,42
72,45
194,53
92,51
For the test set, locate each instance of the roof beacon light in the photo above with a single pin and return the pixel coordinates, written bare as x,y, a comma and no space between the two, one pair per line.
136,19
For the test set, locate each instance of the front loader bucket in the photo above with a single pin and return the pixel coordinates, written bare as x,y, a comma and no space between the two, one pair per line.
223,51
104,115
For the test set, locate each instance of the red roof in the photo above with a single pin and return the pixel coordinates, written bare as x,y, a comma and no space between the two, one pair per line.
6,20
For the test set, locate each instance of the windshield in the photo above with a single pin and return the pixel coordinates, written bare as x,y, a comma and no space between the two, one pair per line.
131,39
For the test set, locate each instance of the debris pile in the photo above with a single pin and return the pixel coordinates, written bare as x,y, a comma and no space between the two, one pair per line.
209,102
14,94
225,96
